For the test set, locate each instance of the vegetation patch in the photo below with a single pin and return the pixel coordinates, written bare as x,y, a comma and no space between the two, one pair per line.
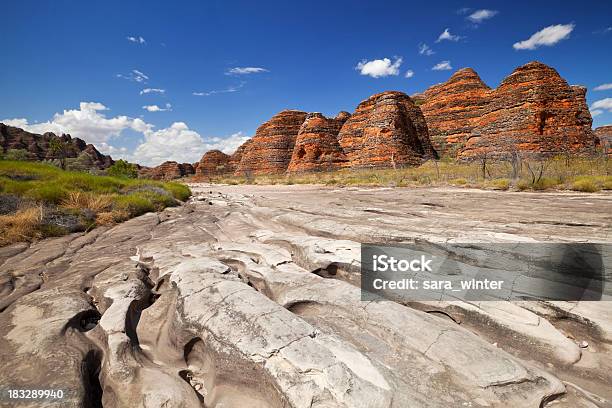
557,173
39,200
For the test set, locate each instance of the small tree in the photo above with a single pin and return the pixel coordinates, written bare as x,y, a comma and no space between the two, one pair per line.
59,149
122,168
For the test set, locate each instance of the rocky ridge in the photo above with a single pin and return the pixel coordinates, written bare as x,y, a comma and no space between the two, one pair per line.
37,147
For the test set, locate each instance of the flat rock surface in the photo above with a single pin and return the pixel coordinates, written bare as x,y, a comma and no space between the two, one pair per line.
248,296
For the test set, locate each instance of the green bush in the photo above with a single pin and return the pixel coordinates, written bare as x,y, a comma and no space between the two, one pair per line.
122,168
134,204
586,185
499,184
17,154
178,191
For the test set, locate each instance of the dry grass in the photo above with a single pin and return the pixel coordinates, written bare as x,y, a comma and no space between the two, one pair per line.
560,173
79,200
20,226
112,217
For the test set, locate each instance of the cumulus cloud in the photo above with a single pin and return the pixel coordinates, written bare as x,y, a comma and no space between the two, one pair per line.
425,50
603,87
134,75
156,108
245,70
187,145
88,123
138,39
229,89
547,36
152,90
380,67
409,74
446,35
442,66
479,16
601,106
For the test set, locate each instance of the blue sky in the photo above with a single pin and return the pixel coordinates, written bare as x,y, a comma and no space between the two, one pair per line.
81,67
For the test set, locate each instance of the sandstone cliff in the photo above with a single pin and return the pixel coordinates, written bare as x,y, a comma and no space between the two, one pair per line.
271,148
386,130
533,110
37,147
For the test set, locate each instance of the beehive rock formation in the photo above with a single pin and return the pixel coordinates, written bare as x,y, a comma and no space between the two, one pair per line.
236,157
533,110
214,163
452,109
387,129
604,134
316,147
271,148
38,146
168,170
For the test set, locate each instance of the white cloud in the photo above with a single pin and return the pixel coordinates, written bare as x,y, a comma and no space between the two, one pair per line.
245,70
480,15
446,35
380,67
425,50
152,90
155,108
134,75
547,36
187,145
409,74
442,66
88,123
229,89
601,106
603,87
138,40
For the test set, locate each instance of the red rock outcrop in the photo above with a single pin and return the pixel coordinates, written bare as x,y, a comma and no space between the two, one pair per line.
38,146
168,170
316,146
604,134
214,163
236,157
386,130
452,109
270,150
533,110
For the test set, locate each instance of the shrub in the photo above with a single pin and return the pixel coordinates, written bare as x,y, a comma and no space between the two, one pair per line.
122,168
459,181
586,185
178,191
134,204
17,154
500,184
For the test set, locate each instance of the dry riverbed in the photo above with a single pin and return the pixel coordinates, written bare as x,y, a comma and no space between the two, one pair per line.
246,296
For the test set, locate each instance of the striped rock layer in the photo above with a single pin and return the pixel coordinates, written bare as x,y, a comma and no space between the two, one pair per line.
533,111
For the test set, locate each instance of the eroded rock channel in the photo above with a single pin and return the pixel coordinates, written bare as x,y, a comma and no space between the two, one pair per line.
248,297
